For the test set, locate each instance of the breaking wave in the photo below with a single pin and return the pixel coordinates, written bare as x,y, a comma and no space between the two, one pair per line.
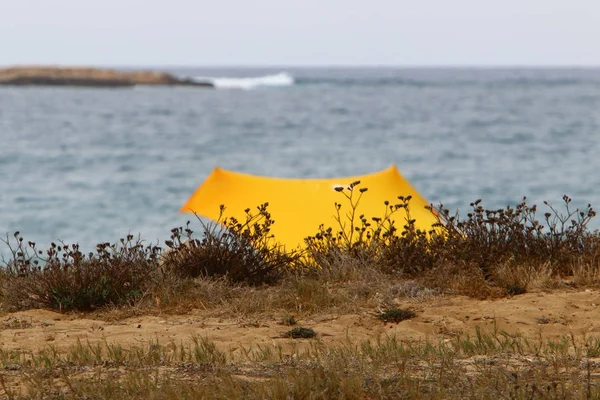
280,79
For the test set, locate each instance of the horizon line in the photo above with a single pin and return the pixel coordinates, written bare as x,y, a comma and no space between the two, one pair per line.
312,66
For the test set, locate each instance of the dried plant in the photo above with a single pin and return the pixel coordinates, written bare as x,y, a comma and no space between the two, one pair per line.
490,238
63,278
242,251
493,252
505,245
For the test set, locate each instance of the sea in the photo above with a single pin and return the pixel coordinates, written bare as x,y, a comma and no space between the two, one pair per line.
90,165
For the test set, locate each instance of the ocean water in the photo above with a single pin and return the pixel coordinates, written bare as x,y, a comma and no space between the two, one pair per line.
92,165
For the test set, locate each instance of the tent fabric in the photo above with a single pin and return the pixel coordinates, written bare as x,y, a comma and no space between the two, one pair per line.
299,206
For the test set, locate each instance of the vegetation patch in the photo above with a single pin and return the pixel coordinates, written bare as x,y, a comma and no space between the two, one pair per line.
364,261
64,279
300,333
396,315
240,251
483,365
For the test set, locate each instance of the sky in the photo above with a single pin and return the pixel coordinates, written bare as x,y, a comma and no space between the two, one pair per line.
301,32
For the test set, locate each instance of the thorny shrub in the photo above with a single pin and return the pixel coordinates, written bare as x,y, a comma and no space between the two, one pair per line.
63,278
241,251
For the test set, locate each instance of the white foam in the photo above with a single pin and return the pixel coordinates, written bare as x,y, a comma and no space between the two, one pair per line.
280,79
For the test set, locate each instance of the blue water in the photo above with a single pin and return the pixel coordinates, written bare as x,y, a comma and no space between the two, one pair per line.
91,165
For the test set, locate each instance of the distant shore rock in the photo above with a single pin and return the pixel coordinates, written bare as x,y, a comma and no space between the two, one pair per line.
89,77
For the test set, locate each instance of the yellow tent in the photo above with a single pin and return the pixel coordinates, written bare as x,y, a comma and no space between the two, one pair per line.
299,206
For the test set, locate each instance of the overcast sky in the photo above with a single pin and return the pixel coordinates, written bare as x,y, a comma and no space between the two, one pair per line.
300,32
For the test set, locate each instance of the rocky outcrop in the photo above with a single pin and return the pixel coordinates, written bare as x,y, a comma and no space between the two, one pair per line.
90,77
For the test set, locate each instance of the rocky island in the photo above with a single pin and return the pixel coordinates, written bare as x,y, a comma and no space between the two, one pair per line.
89,77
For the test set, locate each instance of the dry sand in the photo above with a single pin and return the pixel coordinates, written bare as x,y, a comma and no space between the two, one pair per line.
549,314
